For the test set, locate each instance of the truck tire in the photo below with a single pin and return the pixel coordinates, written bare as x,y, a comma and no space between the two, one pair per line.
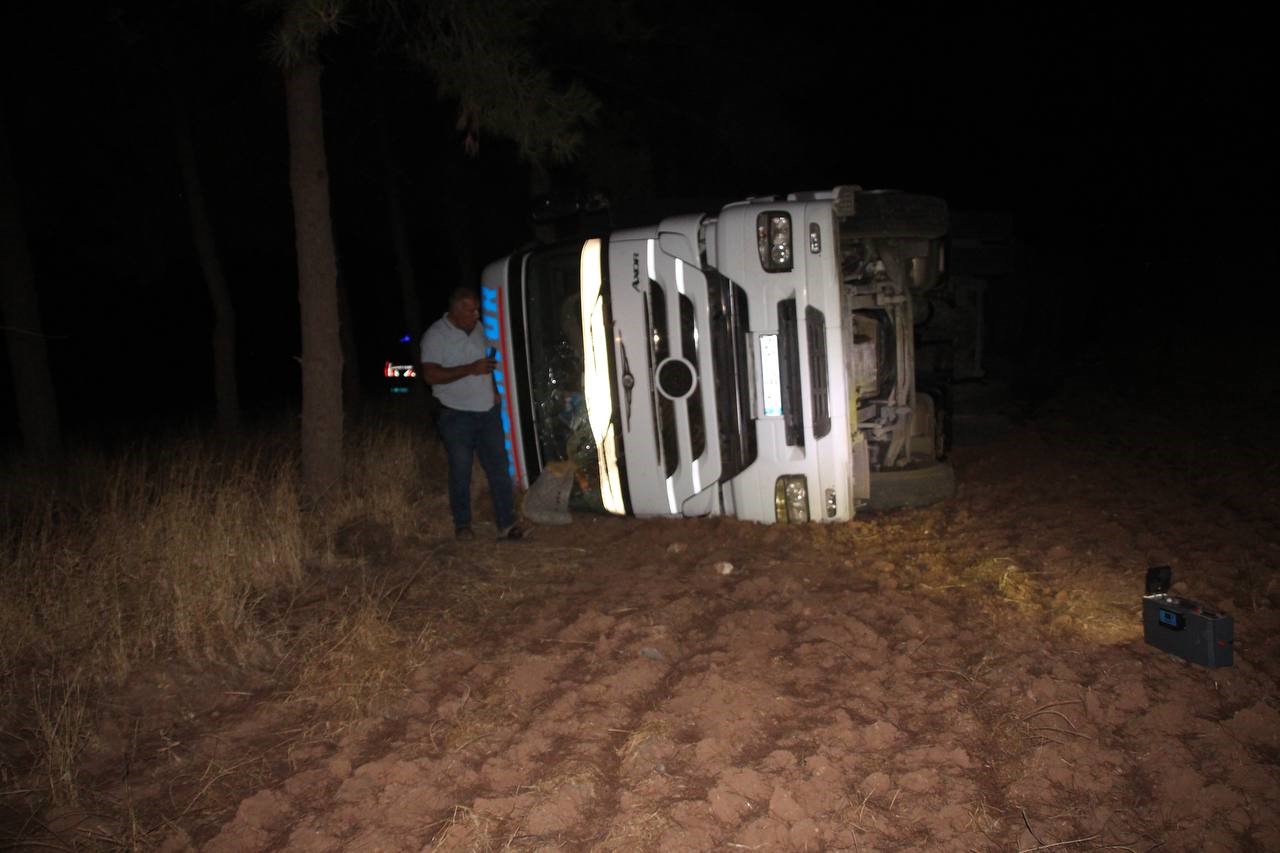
943,409
911,487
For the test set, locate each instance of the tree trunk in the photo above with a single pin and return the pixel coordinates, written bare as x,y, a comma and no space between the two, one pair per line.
20,317
225,389
317,284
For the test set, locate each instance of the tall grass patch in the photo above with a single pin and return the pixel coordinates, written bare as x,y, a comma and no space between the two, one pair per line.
112,562
395,476
160,551
181,552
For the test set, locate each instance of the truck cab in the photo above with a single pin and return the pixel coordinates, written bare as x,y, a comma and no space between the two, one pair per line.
756,361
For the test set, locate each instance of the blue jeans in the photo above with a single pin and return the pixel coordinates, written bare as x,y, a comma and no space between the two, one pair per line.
465,435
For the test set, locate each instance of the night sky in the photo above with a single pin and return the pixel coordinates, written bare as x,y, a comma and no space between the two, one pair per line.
1133,151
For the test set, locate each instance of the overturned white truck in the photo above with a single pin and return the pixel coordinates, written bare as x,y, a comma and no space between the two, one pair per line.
757,361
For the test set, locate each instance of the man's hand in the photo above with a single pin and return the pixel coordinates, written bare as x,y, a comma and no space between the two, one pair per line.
482,365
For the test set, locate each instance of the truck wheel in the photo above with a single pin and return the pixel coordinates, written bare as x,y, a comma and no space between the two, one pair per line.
943,408
907,487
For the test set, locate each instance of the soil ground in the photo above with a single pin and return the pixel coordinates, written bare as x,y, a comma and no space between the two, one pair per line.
968,676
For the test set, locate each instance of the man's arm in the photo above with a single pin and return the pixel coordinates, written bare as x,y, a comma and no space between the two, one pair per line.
435,374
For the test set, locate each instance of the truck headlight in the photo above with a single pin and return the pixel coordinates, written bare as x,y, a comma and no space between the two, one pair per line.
773,239
791,498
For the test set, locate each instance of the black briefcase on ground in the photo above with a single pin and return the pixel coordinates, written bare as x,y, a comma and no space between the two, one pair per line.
1188,629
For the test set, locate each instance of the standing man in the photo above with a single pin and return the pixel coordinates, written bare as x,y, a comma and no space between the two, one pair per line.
460,373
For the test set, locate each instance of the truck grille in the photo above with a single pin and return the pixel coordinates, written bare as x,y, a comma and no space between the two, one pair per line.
819,399
789,372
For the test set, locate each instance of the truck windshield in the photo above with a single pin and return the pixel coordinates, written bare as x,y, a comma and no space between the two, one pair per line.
553,327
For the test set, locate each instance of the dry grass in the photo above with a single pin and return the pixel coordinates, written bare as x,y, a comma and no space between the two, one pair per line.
154,553
1097,608
637,738
473,832
481,719
60,710
385,461
164,554
357,662
1003,576
641,831
1098,614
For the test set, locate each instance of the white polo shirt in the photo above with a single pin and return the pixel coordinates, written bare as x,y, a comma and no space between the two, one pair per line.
448,346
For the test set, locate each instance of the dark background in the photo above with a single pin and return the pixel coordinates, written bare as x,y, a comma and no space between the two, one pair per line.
1133,151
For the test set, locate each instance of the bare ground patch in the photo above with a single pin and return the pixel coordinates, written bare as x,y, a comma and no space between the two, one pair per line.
965,677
